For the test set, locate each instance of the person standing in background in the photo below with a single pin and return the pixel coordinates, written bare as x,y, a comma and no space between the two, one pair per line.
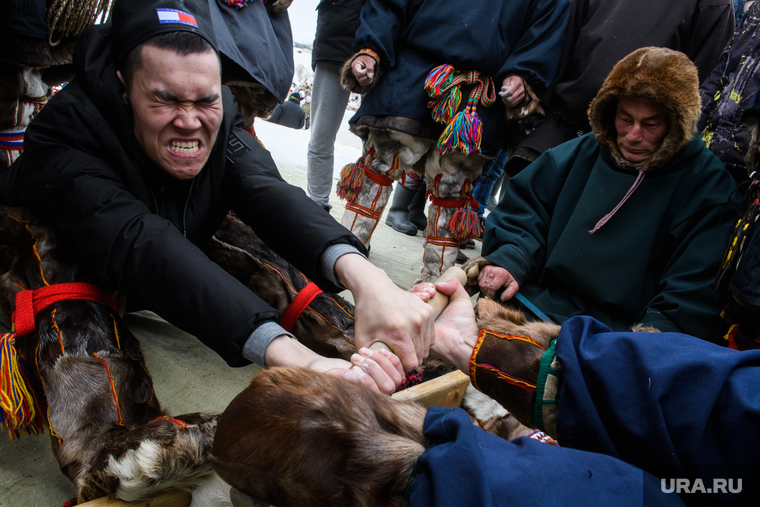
698,28
306,106
337,22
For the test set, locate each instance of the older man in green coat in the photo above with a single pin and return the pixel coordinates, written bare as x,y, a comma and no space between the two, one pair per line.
627,224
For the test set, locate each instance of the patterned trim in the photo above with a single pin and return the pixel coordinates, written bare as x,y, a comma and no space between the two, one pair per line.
547,391
510,379
542,437
367,51
12,140
365,212
515,381
438,241
473,359
113,387
521,338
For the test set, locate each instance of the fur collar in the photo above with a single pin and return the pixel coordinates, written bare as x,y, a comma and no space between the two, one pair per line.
663,75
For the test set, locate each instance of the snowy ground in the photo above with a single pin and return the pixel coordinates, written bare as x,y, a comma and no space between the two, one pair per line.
288,146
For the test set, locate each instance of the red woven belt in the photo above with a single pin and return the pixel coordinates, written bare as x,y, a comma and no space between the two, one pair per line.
454,203
380,179
294,310
30,302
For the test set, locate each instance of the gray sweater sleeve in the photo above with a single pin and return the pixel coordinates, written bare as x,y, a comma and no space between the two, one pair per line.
256,346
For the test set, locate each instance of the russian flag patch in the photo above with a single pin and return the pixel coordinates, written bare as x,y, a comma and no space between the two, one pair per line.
12,140
175,16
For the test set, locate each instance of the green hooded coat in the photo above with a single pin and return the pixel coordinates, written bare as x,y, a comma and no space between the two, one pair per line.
654,262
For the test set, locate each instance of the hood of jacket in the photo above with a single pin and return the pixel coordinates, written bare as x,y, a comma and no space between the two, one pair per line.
665,76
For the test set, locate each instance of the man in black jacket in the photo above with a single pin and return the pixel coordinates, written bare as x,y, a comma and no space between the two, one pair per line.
289,113
137,161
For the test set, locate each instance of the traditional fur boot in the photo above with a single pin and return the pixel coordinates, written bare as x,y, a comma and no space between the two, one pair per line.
450,217
86,375
366,185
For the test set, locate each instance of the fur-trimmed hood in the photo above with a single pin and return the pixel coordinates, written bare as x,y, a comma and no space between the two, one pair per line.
669,78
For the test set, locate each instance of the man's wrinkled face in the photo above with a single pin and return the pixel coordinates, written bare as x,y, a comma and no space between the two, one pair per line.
641,125
177,105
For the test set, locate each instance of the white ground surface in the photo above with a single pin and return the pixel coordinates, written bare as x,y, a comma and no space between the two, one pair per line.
188,377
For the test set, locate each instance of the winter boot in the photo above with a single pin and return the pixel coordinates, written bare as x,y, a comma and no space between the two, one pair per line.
417,208
398,214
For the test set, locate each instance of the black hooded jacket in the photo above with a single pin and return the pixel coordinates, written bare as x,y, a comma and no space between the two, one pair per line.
142,231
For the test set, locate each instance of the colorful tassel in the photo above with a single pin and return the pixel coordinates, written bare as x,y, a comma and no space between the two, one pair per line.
351,180
444,110
464,130
18,399
463,133
439,79
464,225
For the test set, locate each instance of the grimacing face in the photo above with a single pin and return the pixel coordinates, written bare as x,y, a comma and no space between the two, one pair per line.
641,126
177,106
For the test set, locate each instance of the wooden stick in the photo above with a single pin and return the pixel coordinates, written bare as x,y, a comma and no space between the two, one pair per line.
438,302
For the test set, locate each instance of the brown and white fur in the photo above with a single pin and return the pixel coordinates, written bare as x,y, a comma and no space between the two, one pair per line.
125,450
389,146
296,437
326,325
300,438
445,176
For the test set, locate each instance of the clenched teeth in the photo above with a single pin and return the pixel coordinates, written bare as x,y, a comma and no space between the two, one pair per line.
182,147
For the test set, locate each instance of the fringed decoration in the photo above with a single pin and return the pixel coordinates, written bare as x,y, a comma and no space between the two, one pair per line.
444,110
19,400
439,79
351,180
352,177
463,133
464,130
464,225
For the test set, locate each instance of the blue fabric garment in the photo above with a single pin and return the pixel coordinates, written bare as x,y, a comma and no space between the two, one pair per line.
738,9
648,406
492,170
412,37
671,404
465,466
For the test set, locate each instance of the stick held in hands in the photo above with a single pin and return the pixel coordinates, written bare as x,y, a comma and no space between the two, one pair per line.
438,302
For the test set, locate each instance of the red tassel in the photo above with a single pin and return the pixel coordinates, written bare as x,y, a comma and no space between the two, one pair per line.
464,225
351,181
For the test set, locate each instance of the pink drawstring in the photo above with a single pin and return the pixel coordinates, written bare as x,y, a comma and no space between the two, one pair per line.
606,217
